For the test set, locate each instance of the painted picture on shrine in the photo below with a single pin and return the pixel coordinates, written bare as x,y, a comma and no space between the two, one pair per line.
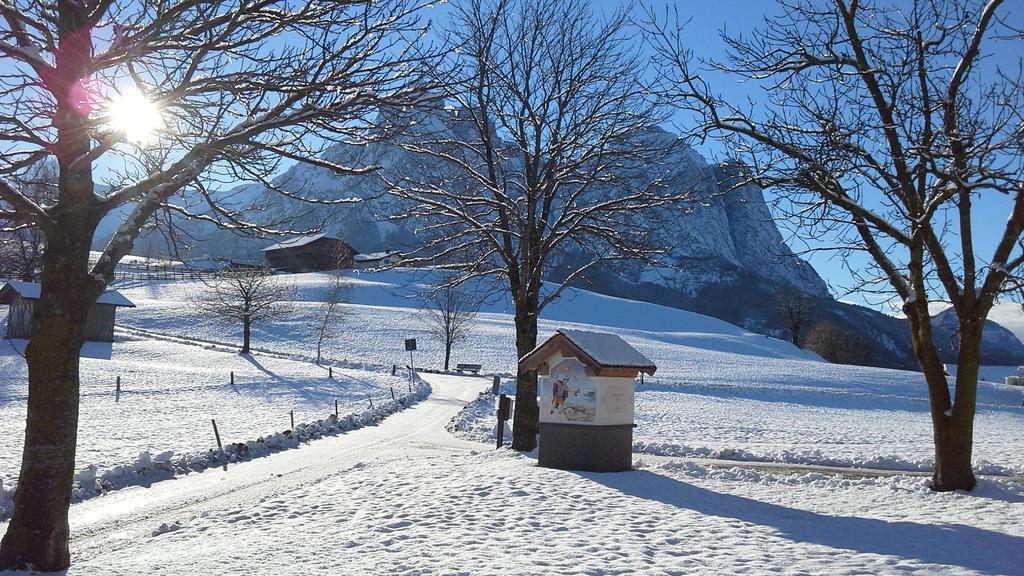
572,396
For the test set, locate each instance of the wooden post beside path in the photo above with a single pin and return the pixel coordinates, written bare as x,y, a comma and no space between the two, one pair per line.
216,434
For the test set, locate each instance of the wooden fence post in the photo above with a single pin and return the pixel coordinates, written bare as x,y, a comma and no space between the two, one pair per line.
292,414
392,392
216,434
232,377
335,409
330,372
371,401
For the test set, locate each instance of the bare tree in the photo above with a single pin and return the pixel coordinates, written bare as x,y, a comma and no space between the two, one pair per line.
574,169
183,99
245,295
881,126
21,253
835,344
21,249
450,317
330,313
795,309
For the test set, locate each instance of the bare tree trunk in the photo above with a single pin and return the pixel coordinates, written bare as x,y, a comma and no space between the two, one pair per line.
952,419
246,333
447,353
954,428
527,412
320,338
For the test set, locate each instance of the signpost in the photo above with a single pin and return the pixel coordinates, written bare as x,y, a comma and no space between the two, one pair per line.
410,346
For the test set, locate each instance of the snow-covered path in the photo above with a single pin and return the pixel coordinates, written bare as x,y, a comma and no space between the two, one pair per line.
118,520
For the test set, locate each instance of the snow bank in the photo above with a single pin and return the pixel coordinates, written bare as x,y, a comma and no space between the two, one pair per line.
897,483
812,458
477,421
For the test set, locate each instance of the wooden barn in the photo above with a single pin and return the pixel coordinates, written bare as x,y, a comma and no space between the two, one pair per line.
21,297
309,253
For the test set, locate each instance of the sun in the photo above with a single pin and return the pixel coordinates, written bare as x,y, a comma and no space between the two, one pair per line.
135,116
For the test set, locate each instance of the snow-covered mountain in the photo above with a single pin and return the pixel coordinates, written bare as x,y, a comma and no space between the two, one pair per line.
718,237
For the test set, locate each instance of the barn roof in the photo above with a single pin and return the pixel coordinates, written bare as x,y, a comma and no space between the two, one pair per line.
596,349
300,241
30,291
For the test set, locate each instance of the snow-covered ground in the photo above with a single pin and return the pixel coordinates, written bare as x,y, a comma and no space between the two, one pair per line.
169,393
405,497
719,391
490,513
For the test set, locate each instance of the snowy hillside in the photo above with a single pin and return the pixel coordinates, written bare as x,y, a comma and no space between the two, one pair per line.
719,390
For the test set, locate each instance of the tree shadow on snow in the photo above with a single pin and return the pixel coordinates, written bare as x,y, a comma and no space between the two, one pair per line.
947,544
304,387
296,386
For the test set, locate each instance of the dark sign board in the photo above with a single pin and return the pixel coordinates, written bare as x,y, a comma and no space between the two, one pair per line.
410,344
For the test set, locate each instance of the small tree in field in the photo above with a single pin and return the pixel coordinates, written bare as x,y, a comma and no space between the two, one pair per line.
835,344
330,312
795,309
882,124
245,295
450,317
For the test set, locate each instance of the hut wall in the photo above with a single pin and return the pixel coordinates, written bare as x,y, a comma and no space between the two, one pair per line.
19,319
99,325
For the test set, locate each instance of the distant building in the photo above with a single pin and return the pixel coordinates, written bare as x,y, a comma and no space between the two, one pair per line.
21,297
310,253
377,259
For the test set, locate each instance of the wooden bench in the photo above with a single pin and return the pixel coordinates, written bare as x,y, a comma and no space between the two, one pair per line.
474,368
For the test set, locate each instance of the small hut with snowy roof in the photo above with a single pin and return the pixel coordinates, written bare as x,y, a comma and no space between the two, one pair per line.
21,297
586,382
